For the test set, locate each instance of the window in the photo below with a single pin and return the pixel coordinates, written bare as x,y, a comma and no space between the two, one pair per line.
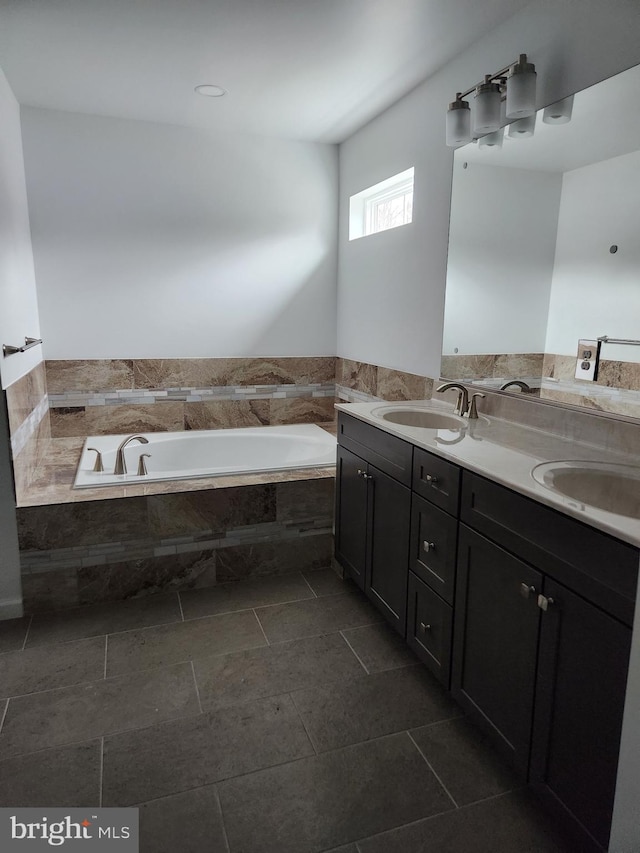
388,204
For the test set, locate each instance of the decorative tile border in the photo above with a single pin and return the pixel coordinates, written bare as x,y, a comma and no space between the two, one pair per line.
350,395
73,399
58,559
27,429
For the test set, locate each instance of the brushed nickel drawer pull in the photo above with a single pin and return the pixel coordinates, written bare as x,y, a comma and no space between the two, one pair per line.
526,591
429,546
431,479
424,627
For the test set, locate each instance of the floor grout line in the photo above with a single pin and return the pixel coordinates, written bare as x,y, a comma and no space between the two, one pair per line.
266,639
101,770
447,791
224,827
361,662
4,714
180,604
315,594
106,646
304,725
195,684
24,644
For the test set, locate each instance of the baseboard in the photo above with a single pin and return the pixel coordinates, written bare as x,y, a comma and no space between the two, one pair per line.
11,608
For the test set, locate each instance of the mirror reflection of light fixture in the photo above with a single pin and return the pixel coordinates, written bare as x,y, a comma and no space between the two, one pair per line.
523,128
558,113
514,84
492,140
458,122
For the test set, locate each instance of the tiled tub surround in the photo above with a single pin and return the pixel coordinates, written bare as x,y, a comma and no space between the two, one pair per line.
360,382
159,395
496,368
86,552
29,424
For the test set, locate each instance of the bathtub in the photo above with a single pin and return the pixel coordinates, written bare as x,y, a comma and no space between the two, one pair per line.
207,453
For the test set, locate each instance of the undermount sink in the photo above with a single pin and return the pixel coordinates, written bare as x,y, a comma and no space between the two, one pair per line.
420,417
604,485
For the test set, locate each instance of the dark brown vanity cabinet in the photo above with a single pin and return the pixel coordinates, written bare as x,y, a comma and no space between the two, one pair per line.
541,650
434,536
373,510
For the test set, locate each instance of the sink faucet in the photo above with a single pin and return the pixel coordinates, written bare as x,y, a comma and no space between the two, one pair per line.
462,404
518,383
121,467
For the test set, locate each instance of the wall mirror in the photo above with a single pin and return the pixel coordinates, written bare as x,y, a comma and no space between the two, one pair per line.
544,251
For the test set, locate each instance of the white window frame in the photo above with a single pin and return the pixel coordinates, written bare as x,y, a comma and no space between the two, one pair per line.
362,205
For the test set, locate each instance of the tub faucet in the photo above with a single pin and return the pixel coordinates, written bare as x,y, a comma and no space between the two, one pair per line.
121,466
463,397
518,383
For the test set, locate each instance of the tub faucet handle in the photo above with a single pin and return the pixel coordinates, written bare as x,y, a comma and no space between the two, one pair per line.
142,465
121,465
98,463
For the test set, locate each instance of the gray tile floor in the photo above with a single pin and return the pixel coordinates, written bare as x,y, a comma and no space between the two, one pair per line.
271,716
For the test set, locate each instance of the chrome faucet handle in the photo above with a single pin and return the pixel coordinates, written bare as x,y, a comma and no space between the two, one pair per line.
142,465
472,411
98,463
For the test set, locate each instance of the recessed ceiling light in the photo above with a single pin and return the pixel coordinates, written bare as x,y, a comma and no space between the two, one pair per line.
210,91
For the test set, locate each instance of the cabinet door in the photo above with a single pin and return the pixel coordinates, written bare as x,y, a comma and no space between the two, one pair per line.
582,674
495,642
351,515
390,515
429,622
434,536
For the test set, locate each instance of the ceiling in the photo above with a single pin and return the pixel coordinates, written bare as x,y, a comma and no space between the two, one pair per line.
301,69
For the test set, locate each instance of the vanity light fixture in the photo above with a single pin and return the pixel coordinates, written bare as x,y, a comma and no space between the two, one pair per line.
515,84
492,140
522,128
559,113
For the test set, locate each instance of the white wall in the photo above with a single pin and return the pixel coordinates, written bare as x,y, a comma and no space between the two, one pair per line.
18,304
18,317
391,286
159,241
595,292
498,258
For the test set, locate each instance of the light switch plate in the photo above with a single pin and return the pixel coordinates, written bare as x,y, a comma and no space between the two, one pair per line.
588,360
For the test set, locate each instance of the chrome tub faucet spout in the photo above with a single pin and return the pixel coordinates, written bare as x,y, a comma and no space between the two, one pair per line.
121,466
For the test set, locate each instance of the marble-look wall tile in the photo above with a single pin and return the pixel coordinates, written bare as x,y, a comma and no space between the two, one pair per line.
559,367
268,558
211,510
24,394
88,375
398,385
305,500
467,367
50,591
116,420
301,410
156,373
70,421
137,578
357,375
619,374
518,365
226,414
75,524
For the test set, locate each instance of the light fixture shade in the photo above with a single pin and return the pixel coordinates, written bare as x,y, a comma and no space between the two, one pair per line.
492,140
521,89
458,123
487,108
558,113
522,128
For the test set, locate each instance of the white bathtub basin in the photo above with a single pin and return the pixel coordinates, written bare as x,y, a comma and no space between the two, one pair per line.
208,453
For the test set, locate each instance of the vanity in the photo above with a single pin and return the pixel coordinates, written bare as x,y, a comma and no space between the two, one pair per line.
518,597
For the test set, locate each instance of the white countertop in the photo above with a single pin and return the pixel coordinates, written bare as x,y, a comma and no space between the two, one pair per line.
506,452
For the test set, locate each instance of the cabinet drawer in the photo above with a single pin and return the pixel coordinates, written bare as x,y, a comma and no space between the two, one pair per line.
429,623
600,568
436,480
434,537
386,452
